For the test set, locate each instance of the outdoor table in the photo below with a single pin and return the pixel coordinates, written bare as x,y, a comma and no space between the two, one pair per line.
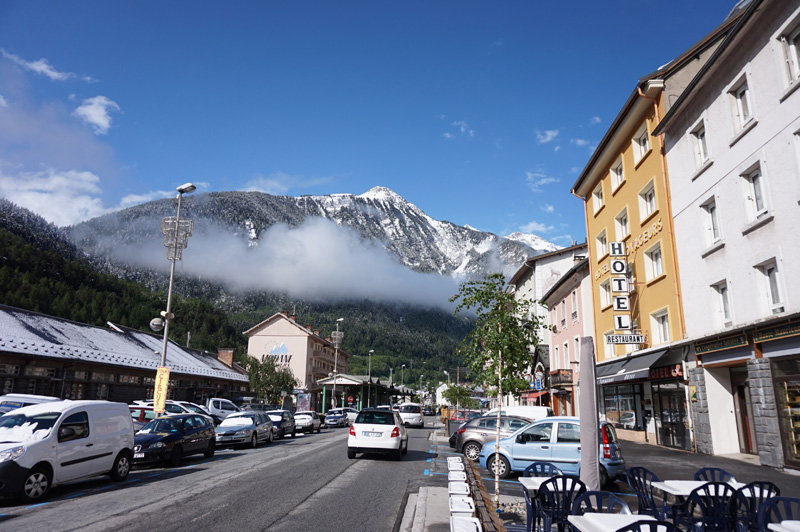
458,488
455,466
785,526
457,475
532,484
462,506
465,524
682,488
596,522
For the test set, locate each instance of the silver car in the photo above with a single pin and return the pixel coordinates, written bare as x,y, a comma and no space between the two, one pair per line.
475,433
244,428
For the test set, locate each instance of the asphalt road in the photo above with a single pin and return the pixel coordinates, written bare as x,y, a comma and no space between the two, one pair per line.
306,483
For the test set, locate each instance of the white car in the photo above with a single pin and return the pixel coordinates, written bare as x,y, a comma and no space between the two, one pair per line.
411,414
180,407
307,421
377,431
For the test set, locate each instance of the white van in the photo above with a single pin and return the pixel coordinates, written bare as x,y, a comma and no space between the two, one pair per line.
534,413
47,444
12,401
221,408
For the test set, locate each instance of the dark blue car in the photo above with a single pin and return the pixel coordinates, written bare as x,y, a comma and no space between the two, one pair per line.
170,438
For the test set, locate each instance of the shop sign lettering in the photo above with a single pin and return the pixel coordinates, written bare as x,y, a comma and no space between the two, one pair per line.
666,372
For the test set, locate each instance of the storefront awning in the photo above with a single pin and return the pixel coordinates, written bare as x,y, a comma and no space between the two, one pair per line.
629,368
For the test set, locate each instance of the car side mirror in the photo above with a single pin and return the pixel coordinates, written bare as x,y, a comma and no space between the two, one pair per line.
66,434
520,439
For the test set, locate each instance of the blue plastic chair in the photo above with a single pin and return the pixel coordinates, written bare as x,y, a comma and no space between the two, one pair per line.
601,502
747,500
777,509
641,481
714,474
650,526
708,508
554,501
530,511
541,469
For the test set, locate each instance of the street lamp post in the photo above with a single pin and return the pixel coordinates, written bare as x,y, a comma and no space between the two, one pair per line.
448,378
420,388
337,337
369,376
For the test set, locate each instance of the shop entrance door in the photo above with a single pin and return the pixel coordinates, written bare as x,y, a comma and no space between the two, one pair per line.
744,411
671,414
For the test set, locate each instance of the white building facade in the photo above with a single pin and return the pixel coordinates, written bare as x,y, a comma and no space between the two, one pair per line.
732,144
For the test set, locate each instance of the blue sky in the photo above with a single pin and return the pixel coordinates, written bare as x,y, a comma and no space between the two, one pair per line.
480,113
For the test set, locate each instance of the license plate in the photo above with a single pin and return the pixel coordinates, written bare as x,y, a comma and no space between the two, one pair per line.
138,455
368,434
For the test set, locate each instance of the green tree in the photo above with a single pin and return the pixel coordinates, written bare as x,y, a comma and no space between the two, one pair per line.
498,350
459,395
268,380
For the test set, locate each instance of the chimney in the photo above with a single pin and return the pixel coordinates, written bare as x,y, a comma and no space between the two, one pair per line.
292,317
316,331
225,356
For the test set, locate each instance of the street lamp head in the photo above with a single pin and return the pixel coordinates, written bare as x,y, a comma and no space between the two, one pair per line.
371,351
340,319
187,188
445,372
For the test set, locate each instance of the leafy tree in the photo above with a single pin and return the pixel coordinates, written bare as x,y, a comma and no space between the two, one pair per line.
268,380
459,395
498,350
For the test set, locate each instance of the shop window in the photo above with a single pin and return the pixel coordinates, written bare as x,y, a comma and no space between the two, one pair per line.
623,406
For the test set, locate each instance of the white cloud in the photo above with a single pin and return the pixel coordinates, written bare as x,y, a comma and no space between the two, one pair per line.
536,227
580,142
464,128
548,208
536,180
3,102
595,120
95,112
63,198
40,66
543,137
280,183
447,136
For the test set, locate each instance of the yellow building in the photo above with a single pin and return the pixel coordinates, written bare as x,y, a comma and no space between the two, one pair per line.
639,325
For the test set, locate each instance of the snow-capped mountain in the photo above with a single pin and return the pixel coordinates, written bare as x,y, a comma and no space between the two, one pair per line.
416,240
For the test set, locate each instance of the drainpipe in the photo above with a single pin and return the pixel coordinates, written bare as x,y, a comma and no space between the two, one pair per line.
663,158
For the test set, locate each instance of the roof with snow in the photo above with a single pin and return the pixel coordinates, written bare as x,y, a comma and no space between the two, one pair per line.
31,334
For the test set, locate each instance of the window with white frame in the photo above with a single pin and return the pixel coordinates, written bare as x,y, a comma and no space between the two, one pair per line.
577,349
701,155
555,358
621,224
630,348
723,304
654,263
641,143
597,197
660,327
790,42
574,302
617,174
647,201
609,348
757,206
710,221
565,356
741,104
772,285
563,313
605,293
602,245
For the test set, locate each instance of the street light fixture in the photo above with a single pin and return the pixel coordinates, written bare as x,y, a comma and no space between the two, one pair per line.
369,377
337,337
448,377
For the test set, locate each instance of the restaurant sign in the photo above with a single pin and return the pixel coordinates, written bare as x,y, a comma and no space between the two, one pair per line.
776,333
730,342
666,372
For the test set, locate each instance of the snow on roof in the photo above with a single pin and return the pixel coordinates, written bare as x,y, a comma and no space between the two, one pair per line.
31,334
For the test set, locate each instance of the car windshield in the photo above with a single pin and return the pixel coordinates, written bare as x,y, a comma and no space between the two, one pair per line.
335,412
237,421
162,426
410,409
376,418
303,414
19,428
193,408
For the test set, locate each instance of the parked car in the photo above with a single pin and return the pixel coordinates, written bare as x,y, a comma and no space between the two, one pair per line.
460,416
411,414
244,428
142,415
260,407
427,410
13,401
555,440
307,421
475,433
282,423
170,438
221,408
378,431
181,407
384,407
532,412
339,417
351,413
51,443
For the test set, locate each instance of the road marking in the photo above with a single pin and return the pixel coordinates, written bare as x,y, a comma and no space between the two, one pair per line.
37,505
426,472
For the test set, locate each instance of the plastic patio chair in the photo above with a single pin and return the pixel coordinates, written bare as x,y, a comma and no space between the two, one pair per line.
600,502
641,481
714,474
554,501
777,509
747,500
541,469
707,508
650,526
530,511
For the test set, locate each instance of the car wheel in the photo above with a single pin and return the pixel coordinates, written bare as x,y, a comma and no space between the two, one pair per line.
212,448
472,450
176,456
605,480
398,454
37,484
319,429
271,437
405,449
254,441
499,463
294,434
122,466
281,434
351,454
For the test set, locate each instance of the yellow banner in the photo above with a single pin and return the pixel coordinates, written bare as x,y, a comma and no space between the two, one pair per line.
160,393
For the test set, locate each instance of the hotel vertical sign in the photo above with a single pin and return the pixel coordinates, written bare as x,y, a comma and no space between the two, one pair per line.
620,297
